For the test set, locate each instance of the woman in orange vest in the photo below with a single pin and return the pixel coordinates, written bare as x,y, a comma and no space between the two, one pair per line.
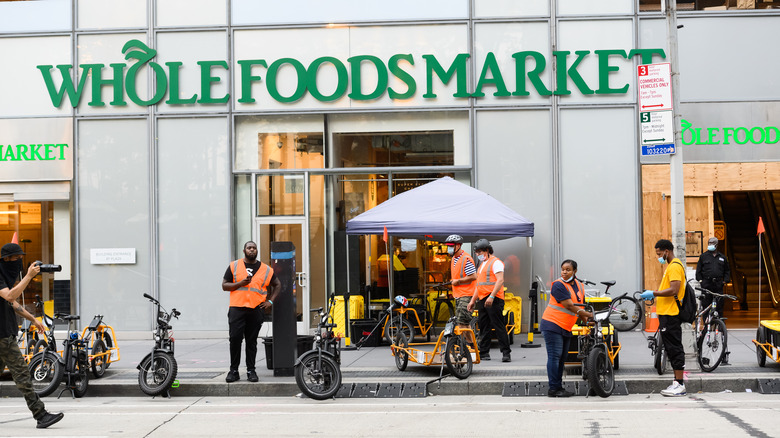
463,272
249,281
557,321
489,299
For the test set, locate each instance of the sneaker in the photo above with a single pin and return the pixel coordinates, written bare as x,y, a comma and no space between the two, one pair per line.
674,390
485,356
559,393
506,358
48,419
232,376
252,376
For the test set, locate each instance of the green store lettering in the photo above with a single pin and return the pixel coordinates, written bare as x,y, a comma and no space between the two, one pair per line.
728,135
33,152
529,66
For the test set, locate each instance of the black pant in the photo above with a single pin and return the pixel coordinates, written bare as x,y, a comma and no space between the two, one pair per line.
713,286
11,356
671,334
492,318
244,324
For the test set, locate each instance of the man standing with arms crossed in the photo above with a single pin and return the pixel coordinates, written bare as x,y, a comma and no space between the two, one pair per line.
489,293
248,280
673,283
11,266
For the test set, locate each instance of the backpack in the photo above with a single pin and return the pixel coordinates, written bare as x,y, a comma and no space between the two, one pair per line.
688,307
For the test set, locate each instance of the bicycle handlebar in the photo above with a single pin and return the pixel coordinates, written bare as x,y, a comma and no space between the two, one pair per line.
707,291
588,282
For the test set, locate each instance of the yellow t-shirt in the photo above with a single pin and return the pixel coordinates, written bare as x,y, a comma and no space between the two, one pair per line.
667,305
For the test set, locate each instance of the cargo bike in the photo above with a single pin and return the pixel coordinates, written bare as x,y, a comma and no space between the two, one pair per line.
598,346
454,348
768,341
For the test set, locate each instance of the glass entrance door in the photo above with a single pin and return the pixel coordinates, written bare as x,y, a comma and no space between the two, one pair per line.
295,230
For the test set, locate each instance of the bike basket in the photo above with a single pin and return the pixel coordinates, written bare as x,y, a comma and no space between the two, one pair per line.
96,321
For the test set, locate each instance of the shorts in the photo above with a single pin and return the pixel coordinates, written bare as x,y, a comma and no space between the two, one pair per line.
461,310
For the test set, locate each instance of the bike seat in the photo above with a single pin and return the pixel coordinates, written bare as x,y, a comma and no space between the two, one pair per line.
609,283
68,317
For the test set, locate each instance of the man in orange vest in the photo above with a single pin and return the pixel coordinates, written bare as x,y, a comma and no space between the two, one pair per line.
489,299
463,272
248,280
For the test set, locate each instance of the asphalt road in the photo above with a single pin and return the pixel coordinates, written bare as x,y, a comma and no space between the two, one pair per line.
719,414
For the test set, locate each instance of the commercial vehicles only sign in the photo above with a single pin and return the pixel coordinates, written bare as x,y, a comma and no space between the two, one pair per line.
654,82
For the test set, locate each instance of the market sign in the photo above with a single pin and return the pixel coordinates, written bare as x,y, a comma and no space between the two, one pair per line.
729,135
122,78
36,149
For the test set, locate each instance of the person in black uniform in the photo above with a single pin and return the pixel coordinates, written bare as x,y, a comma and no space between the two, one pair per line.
11,266
712,271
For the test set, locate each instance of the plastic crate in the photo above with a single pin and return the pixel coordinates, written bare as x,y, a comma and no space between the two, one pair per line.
361,328
356,311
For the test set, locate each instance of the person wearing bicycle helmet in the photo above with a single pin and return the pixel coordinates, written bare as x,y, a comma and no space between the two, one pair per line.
557,321
463,272
11,266
489,299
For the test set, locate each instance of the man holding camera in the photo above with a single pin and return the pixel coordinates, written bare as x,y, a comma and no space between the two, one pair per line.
11,266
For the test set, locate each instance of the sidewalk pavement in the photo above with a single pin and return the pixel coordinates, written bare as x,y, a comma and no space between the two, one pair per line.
203,365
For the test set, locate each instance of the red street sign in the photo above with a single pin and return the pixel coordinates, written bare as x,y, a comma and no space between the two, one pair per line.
654,82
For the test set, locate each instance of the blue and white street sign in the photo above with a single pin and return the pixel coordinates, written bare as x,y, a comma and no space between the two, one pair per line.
658,149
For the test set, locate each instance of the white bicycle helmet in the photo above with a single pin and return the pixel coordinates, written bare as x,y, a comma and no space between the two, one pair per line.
453,239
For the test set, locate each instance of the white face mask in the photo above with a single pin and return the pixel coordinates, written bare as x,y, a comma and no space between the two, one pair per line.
481,257
570,279
450,250
711,248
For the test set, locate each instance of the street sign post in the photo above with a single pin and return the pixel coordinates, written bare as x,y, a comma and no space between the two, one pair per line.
655,87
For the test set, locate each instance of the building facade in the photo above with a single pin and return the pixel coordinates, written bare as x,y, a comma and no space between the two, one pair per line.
142,142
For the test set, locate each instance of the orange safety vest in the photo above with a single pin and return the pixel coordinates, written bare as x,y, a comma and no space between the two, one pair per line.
486,279
559,315
253,294
458,270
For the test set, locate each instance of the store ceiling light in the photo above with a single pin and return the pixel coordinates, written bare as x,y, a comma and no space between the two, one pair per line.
9,212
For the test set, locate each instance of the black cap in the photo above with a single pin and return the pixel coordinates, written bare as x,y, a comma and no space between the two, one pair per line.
11,249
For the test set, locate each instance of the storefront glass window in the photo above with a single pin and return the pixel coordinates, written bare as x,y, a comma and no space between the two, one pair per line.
99,14
511,8
31,224
710,5
279,142
393,149
280,195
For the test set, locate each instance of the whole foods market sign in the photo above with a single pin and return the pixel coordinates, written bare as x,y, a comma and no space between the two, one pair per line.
122,77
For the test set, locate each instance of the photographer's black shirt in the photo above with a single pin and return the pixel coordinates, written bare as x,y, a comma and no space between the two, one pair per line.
8,325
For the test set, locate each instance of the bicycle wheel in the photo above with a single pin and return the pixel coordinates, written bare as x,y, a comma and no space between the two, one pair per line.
711,345
80,379
156,377
391,328
40,346
401,356
760,353
626,314
318,377
109,344
46,372
457,357
660,359
100,361
601,376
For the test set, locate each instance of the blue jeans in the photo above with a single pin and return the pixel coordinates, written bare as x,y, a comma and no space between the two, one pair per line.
557,350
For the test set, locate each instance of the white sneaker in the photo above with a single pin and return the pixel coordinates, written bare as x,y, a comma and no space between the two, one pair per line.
674,390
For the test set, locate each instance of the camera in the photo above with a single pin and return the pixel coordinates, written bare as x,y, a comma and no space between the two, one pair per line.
45,267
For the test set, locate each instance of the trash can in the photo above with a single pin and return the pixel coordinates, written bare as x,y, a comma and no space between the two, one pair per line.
361,328
305,343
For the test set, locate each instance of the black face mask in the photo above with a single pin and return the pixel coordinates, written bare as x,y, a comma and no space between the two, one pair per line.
10,270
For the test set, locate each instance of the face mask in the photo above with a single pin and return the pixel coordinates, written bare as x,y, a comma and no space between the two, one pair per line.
661,260
11,270
450,250
481,257
570,279
711,248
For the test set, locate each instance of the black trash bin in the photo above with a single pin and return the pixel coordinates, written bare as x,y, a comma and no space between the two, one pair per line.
305,343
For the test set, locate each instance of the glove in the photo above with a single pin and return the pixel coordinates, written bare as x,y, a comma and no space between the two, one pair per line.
647,295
